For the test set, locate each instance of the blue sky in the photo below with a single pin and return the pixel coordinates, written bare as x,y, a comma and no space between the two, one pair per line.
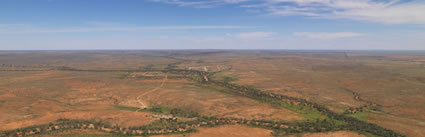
212,24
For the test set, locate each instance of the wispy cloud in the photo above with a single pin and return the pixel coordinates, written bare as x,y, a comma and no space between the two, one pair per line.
22,28
380,11
388,11
327,35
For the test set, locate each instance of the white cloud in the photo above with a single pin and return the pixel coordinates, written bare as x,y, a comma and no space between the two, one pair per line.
389,12
380,11
327,35
19,28
398,14
254,35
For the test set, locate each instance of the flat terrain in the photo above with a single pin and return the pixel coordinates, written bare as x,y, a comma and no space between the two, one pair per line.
147,89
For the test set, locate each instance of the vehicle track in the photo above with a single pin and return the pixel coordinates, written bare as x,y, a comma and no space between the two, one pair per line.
142,105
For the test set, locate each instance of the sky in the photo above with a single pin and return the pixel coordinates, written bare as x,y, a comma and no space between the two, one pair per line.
212,24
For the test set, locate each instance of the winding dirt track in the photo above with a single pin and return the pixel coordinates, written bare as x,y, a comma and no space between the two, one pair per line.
142,105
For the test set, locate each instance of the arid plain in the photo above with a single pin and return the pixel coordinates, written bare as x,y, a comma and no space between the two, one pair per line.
202,93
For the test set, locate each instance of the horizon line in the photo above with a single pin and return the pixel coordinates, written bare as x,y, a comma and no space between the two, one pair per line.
419,50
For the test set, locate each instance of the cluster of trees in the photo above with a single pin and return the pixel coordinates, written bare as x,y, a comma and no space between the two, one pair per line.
351,123
178,127
173,65
182,113
166,127
64,124
193,75
367,106
353,110
149,77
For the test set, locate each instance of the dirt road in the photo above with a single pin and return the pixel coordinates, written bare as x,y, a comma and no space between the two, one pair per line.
142,105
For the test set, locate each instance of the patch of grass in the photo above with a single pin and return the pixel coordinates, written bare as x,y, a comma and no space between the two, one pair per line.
308,113
342,109
161,110
126,108
228,79
359,115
